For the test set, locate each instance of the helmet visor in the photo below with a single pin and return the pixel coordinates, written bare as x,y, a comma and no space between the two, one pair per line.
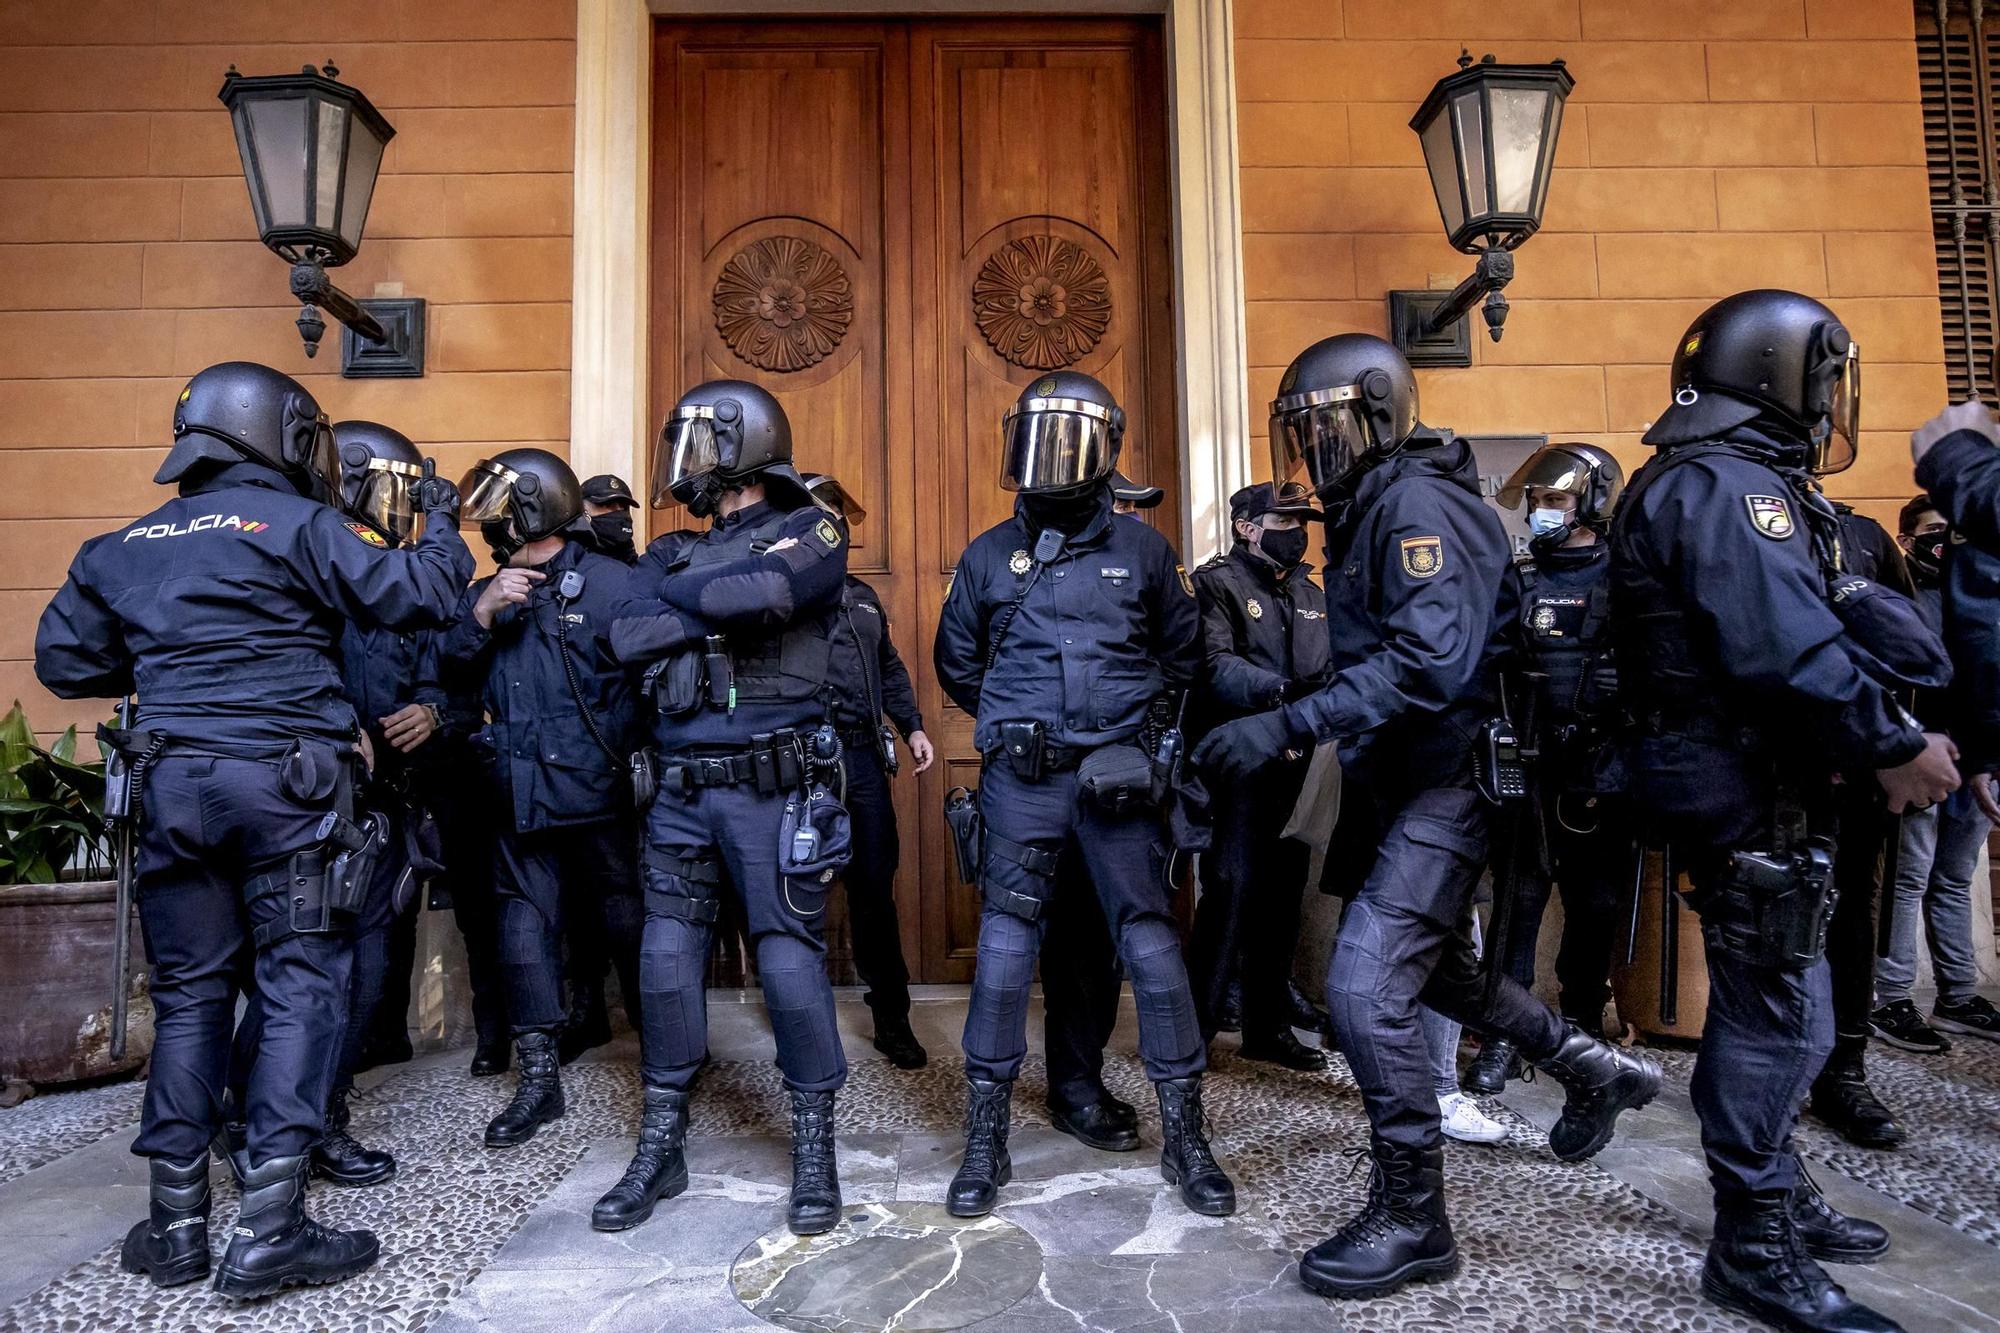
1053,444
830,494
1323,433
687,448
309,445
487,491
1546,470
1836,452
386,499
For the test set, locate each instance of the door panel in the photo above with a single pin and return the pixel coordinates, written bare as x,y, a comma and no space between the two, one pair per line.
894,227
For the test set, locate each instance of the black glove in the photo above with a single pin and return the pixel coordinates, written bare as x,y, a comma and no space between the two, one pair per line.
1237,749
437,495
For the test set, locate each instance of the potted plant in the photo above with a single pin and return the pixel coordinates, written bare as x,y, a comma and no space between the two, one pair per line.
57,907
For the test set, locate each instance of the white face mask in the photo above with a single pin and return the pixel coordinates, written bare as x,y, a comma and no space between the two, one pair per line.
1542,522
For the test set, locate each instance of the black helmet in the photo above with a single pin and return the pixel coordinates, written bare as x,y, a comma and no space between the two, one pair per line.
1587,472
520,496
1771,354
830,495
1062,434
1345,403
721,435
239,411
379,470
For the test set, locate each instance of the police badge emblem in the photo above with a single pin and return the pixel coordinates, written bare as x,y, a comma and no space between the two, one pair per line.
1544,618
1047,388
1423,557
828,535
1254,607
1770,515
1019,562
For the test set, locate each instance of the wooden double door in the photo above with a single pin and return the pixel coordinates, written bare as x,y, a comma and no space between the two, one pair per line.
895,227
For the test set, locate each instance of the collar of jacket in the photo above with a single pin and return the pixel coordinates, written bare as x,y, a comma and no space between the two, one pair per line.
1427,453
232,475
569,557
1575,557
1094,533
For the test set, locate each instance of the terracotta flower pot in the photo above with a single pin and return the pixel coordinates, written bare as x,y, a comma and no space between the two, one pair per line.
55,984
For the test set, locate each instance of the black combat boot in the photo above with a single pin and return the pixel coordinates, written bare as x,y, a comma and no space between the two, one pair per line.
538,1099
1829,1235
232,1144
171,1245
1842,1098
1300,1010
815,1176
894,1039
1600,1081
1401,1235
659,1165
1758,1266
986,1166
1185,1159
340,1157
1104,1123
276,1245
490,1056
1496,1062
1282,1048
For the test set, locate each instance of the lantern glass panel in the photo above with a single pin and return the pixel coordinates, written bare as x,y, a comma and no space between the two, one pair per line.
278,137
1444,172
1517,146
364,156
1546,169
1470,122
329,141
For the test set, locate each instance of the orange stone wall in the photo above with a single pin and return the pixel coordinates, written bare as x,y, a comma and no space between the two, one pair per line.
1710,146
129,260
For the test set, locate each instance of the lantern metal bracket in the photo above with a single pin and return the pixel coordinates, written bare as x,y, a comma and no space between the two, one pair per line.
384,339
1431,328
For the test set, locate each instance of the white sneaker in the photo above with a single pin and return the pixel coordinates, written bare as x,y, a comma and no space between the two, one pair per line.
1464,1121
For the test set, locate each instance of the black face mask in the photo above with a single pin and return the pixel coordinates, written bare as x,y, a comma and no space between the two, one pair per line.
1927,557
699,494
1285,547
612,534
501,539
1065,511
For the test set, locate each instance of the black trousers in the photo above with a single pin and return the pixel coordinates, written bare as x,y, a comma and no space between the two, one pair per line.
1247,922
1125,856
466,827
1865,824
210,826
1407,939
531,871
1080,987
871,883
1592,851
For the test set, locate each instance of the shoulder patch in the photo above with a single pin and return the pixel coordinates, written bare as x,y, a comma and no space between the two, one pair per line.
950,582
1187,584
367,534
1770,515
828,534
1423,557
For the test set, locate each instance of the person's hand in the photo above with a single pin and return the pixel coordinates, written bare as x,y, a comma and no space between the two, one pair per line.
407,728
510,587
1237,749
437,495
1982,795
1970,415
366,749
921,751
1924,780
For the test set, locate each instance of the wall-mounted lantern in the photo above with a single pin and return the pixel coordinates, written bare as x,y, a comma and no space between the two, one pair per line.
311,146
1489,135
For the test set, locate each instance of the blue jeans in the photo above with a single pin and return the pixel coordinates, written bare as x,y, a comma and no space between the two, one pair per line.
1938,856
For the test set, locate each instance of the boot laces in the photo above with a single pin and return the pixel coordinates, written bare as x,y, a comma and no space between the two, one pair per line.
1191,1138
338,1143
982,1134
812,1151
1376,1219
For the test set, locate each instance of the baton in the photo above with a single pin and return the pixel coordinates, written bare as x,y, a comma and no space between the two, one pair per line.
121,935
1632,914
1670,940
1885,905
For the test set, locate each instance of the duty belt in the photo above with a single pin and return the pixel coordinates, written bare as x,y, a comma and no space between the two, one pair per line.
774,762
1706,730
1055,758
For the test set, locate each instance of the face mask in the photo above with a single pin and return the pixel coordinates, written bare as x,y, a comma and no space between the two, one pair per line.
1286,547
1927,555
500,538
699,494
1066,512
613,532
1544,522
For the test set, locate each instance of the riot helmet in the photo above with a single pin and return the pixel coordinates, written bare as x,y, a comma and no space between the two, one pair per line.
1771,355
239,411
1345,403
518,497
1588,473
1061,435
379,471
720,436
830,495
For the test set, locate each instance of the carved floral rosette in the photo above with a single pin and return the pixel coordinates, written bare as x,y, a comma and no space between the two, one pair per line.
783,303
1041,302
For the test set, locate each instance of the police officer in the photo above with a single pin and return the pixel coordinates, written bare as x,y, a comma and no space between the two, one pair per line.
608,504
869,683
222,609
1263,624
1063,629
560,727
735,631
1567,685
1414,566
1751,691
